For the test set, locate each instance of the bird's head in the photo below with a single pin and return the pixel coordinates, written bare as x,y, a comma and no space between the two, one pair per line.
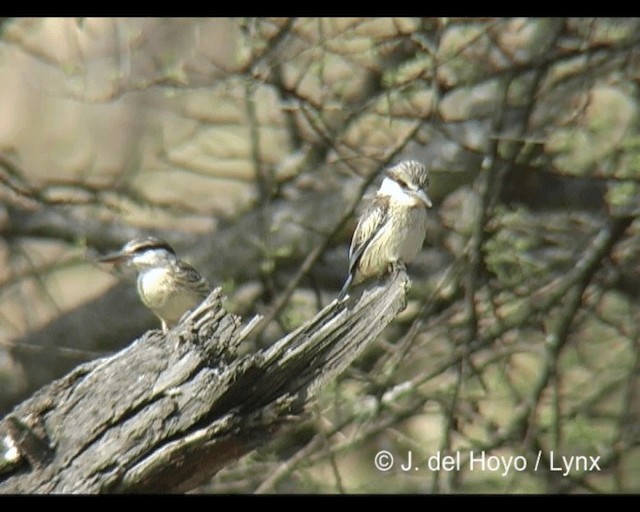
143,253
407,177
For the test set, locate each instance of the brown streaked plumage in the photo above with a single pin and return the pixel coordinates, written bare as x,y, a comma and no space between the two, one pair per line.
392,229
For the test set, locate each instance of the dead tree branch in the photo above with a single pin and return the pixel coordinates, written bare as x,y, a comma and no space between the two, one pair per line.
167,412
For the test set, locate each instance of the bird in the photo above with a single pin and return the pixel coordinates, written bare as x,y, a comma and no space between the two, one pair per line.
392,229
167,286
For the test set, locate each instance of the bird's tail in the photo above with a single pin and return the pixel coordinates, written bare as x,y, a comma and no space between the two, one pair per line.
345,288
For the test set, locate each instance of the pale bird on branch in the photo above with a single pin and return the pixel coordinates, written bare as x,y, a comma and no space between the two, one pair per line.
168,286
393,228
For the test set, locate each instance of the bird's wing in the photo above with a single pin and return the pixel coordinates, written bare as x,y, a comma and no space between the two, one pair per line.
191,279
367,230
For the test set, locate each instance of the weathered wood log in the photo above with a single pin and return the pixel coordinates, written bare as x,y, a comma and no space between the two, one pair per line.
85,329
169,411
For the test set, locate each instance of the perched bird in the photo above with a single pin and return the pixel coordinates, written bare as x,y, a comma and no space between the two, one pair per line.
392,229
168,286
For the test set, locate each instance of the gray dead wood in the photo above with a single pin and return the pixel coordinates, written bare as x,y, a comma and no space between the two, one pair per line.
168,412
293,225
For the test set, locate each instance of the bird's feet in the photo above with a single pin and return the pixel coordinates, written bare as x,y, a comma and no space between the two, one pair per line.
396,266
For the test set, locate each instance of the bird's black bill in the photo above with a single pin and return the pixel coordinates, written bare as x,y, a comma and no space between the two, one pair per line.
115,257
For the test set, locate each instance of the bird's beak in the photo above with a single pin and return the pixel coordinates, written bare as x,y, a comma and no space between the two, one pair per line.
115,257
422,195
